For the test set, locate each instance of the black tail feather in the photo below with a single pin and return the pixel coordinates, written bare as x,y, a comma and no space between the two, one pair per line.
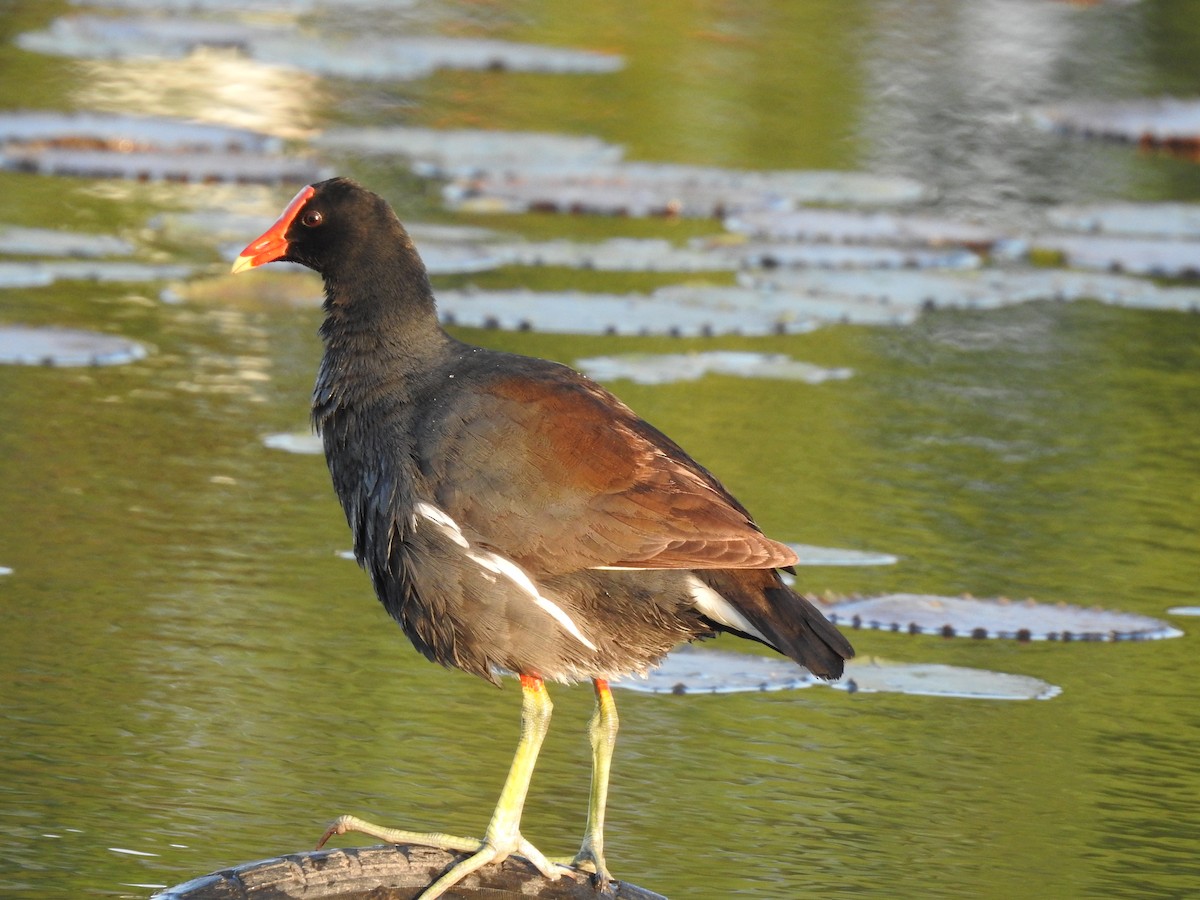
800,630
784,620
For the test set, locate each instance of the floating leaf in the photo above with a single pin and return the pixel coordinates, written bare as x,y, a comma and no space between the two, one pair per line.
122,134
462,152
692,670
1166,122
1169,220
688,670
1158,257
999,618
28,346
682,314
359,56
657,189
703,255
228,167
24,275
877,676
848,227
51,242
615,255
760,255
408,58
32,274
649,368
146,149
173,37
986,289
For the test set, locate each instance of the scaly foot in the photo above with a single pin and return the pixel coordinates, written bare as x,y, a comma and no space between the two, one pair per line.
495,849
342,824
590,861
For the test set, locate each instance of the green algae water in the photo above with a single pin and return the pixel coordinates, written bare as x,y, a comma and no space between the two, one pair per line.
192,677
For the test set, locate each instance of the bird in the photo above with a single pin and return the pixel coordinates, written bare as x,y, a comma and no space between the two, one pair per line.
514,516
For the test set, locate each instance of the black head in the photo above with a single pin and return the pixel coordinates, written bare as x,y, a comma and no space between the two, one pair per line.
330,226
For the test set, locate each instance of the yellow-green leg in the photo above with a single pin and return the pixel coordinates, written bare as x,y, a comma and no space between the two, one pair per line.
504,831
602,731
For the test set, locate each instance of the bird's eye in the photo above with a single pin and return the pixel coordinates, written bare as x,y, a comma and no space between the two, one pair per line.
312,218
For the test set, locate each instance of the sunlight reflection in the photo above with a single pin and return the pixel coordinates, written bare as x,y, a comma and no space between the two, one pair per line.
210,85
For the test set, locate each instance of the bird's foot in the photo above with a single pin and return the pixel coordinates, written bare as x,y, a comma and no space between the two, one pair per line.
588,859
487,854
490,850
342,824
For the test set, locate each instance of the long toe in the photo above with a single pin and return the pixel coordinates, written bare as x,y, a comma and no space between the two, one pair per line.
344,824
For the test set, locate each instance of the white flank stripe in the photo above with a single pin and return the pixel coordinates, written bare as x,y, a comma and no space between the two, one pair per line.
719,609
441,521
514,573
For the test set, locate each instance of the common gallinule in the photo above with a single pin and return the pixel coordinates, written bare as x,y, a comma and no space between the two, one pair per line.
514,516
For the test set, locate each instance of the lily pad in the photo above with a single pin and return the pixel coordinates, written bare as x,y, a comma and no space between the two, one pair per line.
1158,257
665,189
24,275
35,274
50,242
22,345
462,152
761,255
685,312
876,676
648,368
409,58
173,37
151,165
849,227
706,255
615,255
1161,122
906,293
122,134
145,148
1169,220
996,618
692,670
368,57
677,310
689,670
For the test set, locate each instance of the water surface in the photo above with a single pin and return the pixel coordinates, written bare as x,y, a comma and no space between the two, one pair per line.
191,677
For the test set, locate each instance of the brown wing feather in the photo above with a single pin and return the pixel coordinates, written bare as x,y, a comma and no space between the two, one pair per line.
609,490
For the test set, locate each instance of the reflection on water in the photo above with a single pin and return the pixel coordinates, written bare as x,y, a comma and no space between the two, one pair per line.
191,677
218,86
952,88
